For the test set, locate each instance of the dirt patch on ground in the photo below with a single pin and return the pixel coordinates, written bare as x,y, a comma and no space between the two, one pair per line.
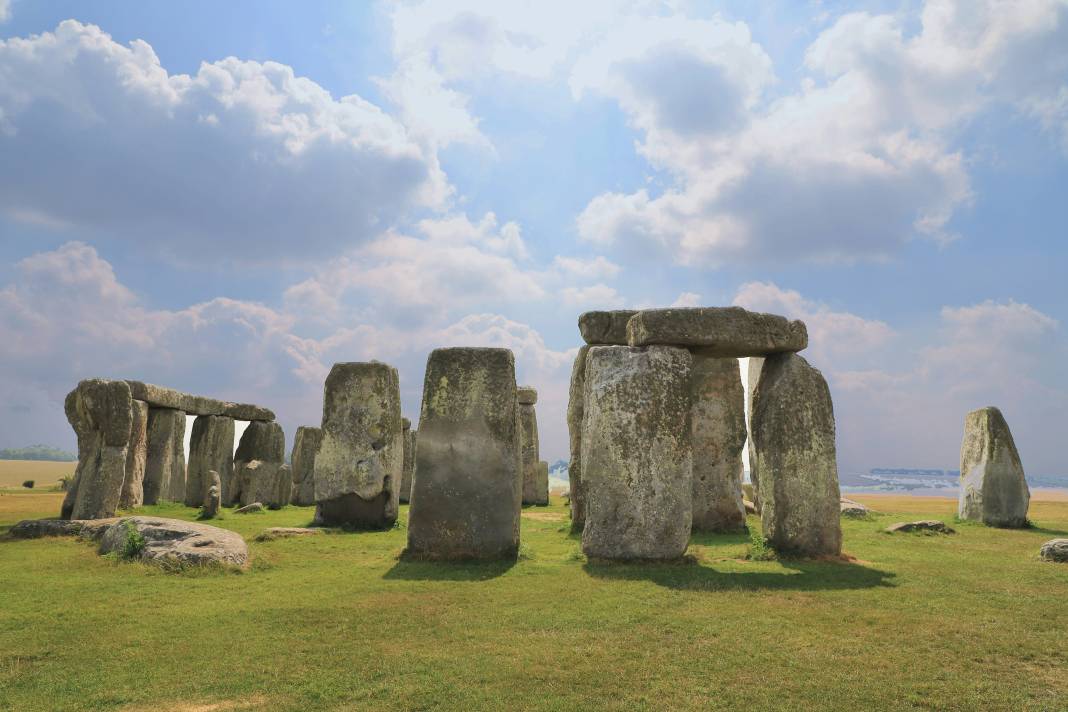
247,703
545,516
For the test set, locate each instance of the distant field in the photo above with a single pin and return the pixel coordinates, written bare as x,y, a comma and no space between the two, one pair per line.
45,474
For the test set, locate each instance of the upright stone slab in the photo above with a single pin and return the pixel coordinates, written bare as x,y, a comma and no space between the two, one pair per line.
993,489
268,483
409,462
574,428
133,493
541,485
211,447
165,461
718,421
718,331
305,446
605,328
212,497
756,364
796,461
637,454
261,441
360,463
527,397
100,411
468,485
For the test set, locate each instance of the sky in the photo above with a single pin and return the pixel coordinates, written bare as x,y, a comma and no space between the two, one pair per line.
228,198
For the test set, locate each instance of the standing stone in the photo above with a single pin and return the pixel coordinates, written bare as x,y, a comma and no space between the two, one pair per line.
212,497
409,461
360,463
756,364
718,422
637,455
100,411
305,445
796,461
718,331
576,503
260,441
165,461
541,485
133,493
211,447
468,485
268,483
993,489
605,328
526,398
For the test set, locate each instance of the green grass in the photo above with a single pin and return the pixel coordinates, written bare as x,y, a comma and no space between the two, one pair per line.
970,621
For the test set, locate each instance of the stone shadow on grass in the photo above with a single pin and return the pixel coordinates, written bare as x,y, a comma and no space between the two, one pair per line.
410,568
800,575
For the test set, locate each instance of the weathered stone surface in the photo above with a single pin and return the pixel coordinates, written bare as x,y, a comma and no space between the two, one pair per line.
305,445
165,460
211,447
796,461
576,393
260,441
266,482
718,331
541,485
360,463
272,533
637,455
250,508
468,484
923,525
529,448
101,413
718,427
849,508
993,489
750,508
1054,550
409,462
133,493
749,494
162,397
754,366
605,328
212,496
526,395
174,542
37,528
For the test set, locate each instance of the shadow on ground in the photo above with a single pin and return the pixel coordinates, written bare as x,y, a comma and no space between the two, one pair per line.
409,569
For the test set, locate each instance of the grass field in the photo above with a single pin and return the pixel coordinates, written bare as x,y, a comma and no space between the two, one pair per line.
971,621
44,474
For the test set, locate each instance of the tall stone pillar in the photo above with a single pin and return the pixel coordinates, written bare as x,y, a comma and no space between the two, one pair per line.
527,397
409,462
305,446
574,429
136,457
263,441
993,489
718,420
756,363
211,447
100,411
165,460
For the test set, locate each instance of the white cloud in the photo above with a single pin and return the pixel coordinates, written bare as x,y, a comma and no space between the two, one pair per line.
597,296
687,299
5,10
242,161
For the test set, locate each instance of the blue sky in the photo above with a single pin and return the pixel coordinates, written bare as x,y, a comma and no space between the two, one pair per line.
228,198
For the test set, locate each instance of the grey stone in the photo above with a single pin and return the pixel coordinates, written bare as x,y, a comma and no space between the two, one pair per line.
165,461
753,368
541,485
718,331
718,426
171,542
1054,550
923,525
91,529
260,441
750,508
529,448
211,447
272,533
468,484
849,508
749,494
410,438
252,508
993,489
796,461
360,463
576,503
133,493
637,455
162,397
605,328
212,496
101,413
526,395
305,445
266,482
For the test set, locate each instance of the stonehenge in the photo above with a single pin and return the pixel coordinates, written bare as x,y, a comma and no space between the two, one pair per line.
212,497
719,434
360,461
718,331
993,489
577,501
165,456
468,484
133,493
101,413
211,447
302,460
261,441
533,491
409,461
269,483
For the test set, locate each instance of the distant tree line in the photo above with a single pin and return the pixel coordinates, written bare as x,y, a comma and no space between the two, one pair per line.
37,452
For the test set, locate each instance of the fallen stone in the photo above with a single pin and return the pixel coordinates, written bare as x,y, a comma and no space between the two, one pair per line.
468,485
923,525
360,463
265,482
165,459
133,492
212,497
1054,550
162,397
174,542
211,447
849,508
605,328
272,533
796,462
38,528
260,441
993,489
575,409
528,443
101,413
718,331
410,438
305,446
718,431
250,508
637,455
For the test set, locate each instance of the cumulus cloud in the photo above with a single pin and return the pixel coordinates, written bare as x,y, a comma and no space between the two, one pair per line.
5,10
242,160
